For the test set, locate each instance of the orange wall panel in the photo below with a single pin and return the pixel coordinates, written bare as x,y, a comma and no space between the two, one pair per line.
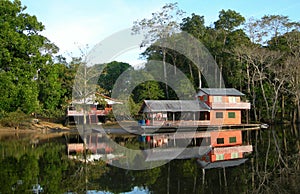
226,135
225,120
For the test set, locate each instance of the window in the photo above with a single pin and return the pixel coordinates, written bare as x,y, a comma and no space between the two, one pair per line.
234,155
232,99
231,115
219,156
205,98
217,99
220,140
232,139
219,115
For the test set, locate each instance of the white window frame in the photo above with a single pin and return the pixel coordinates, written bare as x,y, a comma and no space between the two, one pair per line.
232,99
220,157
217,99
234,155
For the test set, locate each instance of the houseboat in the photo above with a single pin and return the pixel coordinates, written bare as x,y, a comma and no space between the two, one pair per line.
213,107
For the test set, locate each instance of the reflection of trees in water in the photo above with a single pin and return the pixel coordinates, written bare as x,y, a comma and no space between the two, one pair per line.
276,161
274,167
23,165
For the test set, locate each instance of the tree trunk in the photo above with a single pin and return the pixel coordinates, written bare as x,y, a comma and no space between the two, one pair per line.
165,72
298,111
191,73
220,80
282,108
254,101
264,96
200,81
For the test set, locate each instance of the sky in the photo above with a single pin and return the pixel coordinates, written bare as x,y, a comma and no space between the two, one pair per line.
72,24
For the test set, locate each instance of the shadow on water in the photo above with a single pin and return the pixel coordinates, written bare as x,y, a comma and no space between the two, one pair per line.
272,167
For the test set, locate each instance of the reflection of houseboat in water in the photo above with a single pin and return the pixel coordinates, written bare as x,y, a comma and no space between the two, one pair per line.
212,123
96,146
211,148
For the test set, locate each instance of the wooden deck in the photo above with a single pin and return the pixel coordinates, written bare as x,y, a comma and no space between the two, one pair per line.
186,128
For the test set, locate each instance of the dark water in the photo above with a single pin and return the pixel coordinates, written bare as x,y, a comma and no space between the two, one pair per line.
273,167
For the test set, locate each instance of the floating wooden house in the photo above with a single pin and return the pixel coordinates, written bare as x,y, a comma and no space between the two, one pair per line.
213,107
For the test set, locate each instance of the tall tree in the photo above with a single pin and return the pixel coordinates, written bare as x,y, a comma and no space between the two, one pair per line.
226,30
289,45
21,55
111,73
194,25
160,27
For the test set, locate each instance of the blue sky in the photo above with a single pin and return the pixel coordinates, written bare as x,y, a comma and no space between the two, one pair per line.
73,23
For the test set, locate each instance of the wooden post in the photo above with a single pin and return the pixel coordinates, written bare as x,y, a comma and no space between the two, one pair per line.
173,114
96,143
220,181
174,141
168,180
225,180
253,173
203,176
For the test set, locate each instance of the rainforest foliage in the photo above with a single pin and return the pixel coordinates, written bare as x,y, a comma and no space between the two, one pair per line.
258,56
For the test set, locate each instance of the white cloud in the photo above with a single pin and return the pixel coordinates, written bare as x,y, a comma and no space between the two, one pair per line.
72,23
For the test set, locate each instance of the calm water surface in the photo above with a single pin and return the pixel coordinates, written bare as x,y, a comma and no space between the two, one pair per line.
29,159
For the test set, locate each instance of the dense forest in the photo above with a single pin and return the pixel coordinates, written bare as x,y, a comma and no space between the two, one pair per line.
259,57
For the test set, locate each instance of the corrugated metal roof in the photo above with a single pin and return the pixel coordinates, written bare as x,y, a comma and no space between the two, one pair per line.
226,163
159,154
173,106
221,92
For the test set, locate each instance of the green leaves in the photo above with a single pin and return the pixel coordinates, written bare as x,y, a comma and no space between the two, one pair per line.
229,20
21,58
111,73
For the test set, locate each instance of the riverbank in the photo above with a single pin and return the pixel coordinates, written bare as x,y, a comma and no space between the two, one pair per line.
44,126
39,126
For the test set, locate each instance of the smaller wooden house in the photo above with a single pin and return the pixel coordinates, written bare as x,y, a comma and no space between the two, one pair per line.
95,112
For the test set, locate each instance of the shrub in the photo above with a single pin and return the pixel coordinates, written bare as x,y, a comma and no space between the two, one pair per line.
15,119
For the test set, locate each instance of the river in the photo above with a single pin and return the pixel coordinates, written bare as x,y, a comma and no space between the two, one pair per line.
28,160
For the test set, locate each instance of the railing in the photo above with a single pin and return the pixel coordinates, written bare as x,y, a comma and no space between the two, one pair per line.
78,147
232,149
91,112
237,105
181,123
